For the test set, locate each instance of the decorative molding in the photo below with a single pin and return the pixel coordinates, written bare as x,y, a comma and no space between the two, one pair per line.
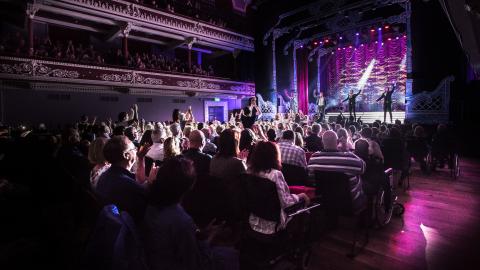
127,28
198,84
58,72
156,19
33,68
133,78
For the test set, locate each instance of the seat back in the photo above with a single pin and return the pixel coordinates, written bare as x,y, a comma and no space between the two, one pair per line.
115,243
340,196
294,175
262,198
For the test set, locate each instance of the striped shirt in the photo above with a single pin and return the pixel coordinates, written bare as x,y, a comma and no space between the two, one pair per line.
344,162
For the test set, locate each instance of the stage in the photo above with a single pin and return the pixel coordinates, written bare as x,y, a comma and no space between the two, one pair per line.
368,117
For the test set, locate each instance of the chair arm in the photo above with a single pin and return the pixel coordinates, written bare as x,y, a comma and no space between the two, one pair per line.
302,210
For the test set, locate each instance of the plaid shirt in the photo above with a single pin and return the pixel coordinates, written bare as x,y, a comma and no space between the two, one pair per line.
292,154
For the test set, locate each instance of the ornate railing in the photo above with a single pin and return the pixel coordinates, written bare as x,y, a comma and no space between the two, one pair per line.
430,107
143,18
50,71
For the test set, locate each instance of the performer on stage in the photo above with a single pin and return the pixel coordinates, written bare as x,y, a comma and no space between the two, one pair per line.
387,101
352,98
250,113
320,103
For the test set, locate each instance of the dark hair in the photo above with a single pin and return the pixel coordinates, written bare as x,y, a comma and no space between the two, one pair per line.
246,139
176,115
147,137
122,116
114,149
200,126
174,178
288,135
228,144
119,131
361,149
395,133
271,134
366,132
265,157
129,133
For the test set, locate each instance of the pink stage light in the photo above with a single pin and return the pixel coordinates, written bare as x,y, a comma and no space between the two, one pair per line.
386,26
389,39
372,30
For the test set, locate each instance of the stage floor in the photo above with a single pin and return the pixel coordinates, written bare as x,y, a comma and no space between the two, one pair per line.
369,117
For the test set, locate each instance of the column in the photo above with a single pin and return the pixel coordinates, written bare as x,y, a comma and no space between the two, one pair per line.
235,54
30,11
125,32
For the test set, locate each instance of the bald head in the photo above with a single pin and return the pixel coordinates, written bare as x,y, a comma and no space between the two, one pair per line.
329,139
197,139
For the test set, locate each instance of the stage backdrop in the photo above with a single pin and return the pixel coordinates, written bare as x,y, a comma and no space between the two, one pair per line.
370,67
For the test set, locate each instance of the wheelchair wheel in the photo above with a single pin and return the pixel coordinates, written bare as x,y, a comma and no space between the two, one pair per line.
398,209
383,213
456,166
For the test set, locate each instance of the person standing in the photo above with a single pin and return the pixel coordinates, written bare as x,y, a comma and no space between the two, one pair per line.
320,104
352,99
387,101
250,113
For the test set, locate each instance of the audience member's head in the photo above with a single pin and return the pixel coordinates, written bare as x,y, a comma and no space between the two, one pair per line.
207,132
366,132
119,131
70,136
187,130
329,140
271,135
175,177
316,128
175,129
228,143
158,135
419,132
395,133
298,139
197,140
171,147
122,117
120,151
288,135
95,151
132,133
361,149
342,133
247,138
265,157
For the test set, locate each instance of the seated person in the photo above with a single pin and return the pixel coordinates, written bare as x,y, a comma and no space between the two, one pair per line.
172,240
265,162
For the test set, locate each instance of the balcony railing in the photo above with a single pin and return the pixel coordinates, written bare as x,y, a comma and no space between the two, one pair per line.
28,69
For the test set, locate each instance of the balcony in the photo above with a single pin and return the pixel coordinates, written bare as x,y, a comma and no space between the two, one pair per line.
145,81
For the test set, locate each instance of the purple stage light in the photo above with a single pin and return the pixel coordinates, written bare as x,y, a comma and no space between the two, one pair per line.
357,34
379,29
340,38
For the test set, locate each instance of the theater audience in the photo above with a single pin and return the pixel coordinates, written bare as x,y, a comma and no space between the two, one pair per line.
201,161
313,142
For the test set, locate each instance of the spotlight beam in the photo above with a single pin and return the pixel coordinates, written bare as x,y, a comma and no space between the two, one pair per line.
363,80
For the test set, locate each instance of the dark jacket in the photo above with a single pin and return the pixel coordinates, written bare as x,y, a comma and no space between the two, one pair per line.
118,186
313,143
201,161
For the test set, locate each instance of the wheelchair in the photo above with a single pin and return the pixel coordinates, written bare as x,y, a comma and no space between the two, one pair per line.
385,202
439,155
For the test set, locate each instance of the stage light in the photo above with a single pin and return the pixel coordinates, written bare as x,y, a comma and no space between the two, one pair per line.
376,41
340,38
333,53
357,34
382,43
379,29
372,30
361,45
350,47
386,26
315,43
404,36
363,80
396,38
338,49
301,46
344,48
389,39
326,40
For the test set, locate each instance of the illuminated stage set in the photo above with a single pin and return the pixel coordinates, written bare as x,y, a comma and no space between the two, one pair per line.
365,50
